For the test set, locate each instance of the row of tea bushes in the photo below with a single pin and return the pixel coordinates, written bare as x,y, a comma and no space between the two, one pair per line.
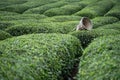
100,21
96,9
4,13
56,24
81,2
20,8
115,26
38,57
68,9
39,18
71,0
42,9
115,1
41,21
100,60
4,3
64,7
8,20
88,2
61,18
87,36
4,35
115,11
22,17
52,27
64,10
4,25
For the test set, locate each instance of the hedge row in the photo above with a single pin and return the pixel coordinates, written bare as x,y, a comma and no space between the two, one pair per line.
88,2
115,26
96,9
71,8
64,10
4,25
61,18
9,21
42,9
22,17
115,11
100,60
4,13
87,36
38,57
52,27
71,0
20,8
115,1
4,3
100,21
4,35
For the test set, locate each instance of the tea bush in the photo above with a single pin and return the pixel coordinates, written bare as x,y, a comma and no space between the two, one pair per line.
4,13
87,36
100,21
114,11
22,17
61,18
115,26
20,8
64,10
115,1
4,25
52,27
88,2
4,3
50,55
71,0
42,9
4,35
38,56
100,60
96,9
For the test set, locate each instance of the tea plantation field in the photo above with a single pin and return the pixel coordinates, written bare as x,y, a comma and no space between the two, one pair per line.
38,40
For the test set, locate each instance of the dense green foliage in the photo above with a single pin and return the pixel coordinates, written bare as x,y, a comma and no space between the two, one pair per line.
4,25
115,11
20,8
4,35
4,3
68,9
65,10
115,26
87,36
100,60
42,9
99,21
38,56
28,28
96,9
4,13
61,18
22,17
38,40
